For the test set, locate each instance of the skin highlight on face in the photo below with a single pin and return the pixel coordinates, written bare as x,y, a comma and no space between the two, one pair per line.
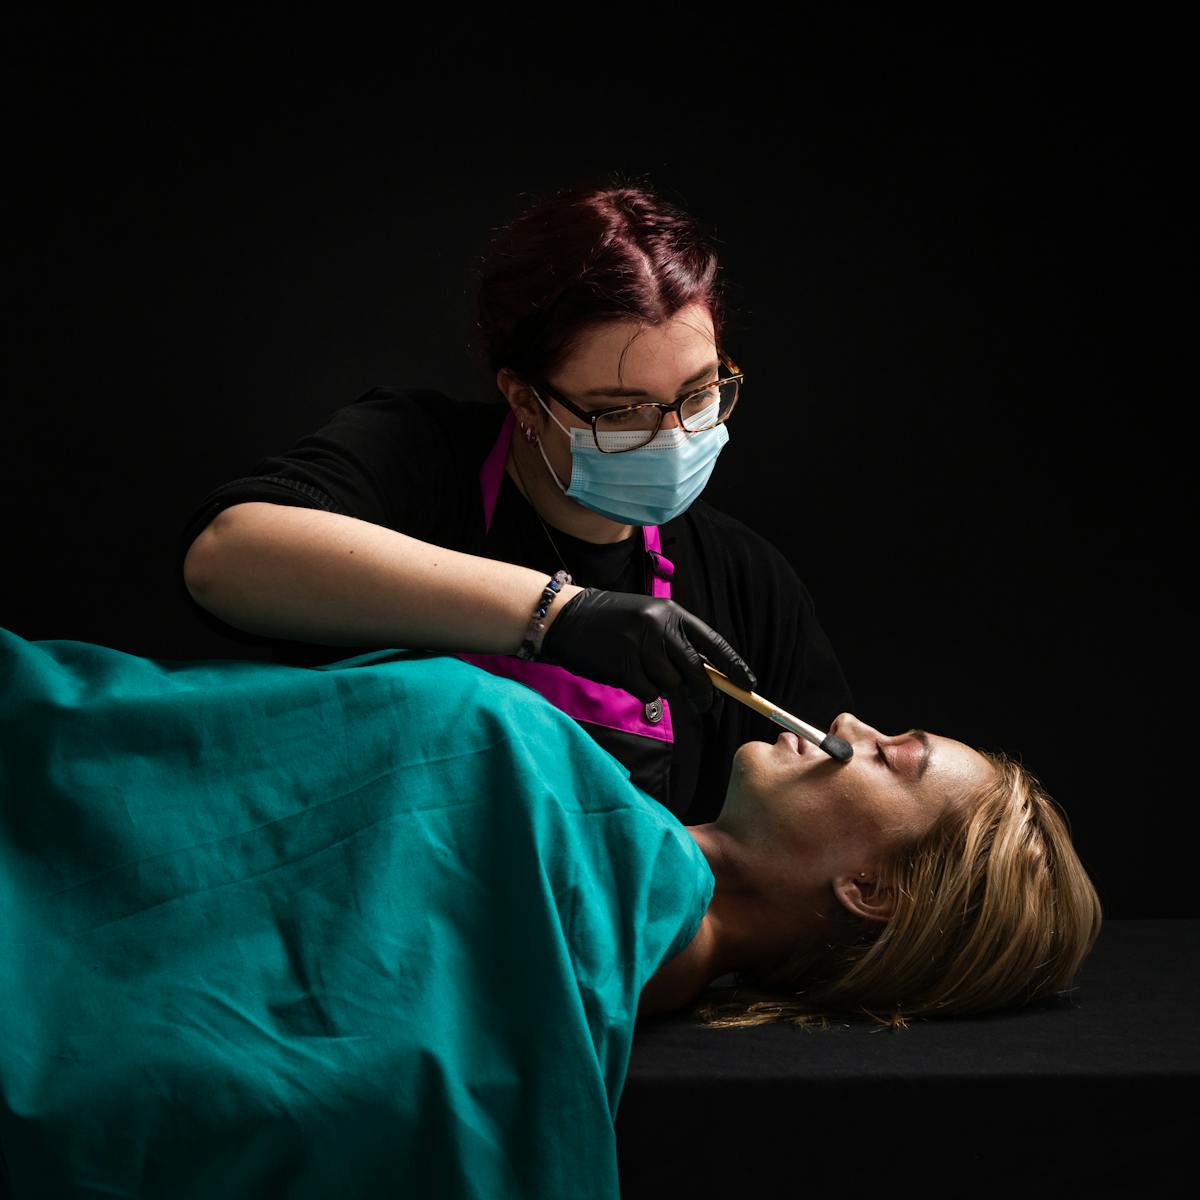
790,797
801,832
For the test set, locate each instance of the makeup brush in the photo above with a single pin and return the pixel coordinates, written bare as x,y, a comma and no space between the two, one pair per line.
835,747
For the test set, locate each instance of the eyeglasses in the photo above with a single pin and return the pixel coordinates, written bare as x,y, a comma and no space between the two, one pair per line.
705,408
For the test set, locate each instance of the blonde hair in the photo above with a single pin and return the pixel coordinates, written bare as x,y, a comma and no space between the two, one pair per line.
993,909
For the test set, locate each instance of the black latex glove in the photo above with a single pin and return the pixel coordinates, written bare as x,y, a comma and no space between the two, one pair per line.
644,644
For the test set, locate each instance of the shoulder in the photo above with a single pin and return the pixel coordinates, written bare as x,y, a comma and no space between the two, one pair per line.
421,420
427,404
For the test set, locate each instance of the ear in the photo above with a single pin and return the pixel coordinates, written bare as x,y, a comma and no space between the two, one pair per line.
865,896
520,398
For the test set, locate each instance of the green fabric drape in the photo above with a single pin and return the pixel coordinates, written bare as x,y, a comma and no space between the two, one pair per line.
376,928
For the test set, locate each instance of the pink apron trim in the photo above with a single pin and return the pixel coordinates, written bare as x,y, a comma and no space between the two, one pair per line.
493,469
581,699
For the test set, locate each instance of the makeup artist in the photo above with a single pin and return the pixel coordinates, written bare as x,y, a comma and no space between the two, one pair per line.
558,538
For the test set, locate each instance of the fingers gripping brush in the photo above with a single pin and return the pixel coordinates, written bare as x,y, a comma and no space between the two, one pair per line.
835,747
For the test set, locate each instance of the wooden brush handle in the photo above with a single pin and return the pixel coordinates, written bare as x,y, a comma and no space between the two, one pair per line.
771,711
749,699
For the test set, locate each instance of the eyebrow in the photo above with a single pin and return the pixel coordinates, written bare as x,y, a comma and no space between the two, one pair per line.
711,369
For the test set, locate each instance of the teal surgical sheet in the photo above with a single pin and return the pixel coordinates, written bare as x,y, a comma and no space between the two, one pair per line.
377,928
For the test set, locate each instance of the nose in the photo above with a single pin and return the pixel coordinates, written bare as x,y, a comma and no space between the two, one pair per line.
670,421
848,726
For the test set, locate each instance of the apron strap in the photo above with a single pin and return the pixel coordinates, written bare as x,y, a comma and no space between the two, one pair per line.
493,469
661,567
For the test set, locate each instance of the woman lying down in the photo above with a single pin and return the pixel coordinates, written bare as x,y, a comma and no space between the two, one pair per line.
384,926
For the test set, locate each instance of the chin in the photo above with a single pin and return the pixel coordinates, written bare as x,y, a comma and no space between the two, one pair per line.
749,776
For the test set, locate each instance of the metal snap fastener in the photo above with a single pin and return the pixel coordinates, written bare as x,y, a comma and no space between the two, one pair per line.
654,711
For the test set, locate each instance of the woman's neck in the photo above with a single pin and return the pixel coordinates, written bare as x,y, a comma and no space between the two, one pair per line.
750,929
527,469
734,934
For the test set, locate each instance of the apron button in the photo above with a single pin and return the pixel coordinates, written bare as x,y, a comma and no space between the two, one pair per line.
654,711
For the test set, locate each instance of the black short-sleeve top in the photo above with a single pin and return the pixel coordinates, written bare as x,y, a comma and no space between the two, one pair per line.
409,459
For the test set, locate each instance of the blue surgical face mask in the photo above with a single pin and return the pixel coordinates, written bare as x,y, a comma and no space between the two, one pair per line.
646,486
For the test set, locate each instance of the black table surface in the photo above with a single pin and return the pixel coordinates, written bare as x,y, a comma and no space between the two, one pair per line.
1095,1094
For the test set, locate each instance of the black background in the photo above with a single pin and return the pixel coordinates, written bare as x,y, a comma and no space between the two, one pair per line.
957,262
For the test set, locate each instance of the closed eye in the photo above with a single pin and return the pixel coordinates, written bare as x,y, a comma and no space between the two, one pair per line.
883,758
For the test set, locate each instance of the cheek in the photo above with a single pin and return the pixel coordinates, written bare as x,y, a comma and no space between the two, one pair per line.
894,815
558,451
843,813
853,807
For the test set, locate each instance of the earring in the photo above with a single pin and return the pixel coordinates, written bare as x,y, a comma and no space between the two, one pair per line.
531,436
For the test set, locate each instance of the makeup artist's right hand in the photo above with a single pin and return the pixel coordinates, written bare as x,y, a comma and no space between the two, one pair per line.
646,645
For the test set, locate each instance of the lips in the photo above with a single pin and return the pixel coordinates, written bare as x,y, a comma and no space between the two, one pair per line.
792,741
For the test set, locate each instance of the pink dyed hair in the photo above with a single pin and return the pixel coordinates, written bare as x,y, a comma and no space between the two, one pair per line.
584,255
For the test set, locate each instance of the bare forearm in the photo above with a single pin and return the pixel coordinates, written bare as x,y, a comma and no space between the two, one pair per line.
308,575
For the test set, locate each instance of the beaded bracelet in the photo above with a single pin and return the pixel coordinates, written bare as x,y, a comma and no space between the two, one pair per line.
537,624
